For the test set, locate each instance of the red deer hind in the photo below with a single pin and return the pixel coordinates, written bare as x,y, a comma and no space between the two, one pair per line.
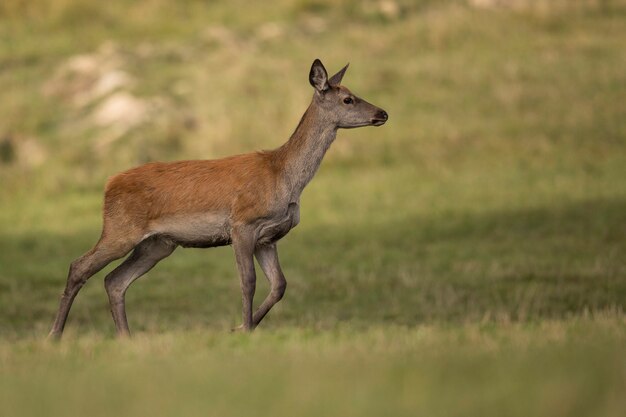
248,201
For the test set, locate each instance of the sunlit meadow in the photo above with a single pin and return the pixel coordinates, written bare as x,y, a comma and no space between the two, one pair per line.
467,258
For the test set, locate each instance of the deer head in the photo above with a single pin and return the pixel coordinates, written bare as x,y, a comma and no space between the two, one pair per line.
340,105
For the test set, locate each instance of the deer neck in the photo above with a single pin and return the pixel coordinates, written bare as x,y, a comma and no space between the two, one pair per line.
303,153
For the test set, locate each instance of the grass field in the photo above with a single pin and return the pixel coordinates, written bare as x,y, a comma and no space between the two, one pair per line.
467,258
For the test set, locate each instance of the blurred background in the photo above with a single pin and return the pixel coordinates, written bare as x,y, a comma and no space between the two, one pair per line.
494,196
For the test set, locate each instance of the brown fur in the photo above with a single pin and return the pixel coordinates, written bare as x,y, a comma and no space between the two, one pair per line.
241,186
250,201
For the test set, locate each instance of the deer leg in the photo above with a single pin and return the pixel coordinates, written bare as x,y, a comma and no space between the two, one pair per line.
81,270
243,245
145,256
267,256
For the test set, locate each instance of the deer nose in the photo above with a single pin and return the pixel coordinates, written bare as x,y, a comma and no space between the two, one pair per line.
380,118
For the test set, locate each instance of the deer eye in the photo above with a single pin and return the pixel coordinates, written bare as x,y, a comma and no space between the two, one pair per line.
348,100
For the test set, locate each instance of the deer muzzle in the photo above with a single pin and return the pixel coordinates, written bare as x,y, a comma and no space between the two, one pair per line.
380,118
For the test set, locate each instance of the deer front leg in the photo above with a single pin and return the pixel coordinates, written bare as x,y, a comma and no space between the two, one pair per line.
243,245
267,256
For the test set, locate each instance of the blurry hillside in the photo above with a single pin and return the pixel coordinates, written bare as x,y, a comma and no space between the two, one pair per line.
91,88
496,190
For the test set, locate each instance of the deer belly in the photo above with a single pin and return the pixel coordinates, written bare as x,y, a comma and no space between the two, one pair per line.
199,230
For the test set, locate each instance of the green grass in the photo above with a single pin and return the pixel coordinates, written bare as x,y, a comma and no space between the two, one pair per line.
468,258
575,368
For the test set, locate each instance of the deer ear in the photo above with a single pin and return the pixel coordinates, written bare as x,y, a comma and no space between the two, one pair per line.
336,79
318,77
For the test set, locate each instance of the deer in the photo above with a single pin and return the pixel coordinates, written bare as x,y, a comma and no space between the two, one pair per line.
248,201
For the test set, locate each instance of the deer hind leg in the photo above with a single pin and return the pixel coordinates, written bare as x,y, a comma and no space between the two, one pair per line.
145,256
267,256
83,268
